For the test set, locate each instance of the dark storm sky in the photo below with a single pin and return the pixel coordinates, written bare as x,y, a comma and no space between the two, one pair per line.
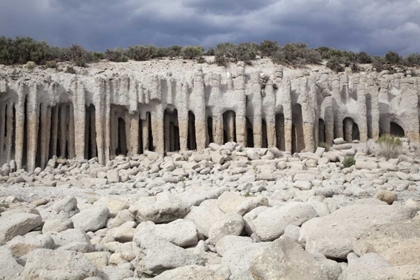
374,26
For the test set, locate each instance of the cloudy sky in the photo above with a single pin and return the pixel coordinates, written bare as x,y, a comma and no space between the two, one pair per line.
374,26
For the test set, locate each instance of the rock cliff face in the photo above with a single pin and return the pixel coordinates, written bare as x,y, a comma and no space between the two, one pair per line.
106,112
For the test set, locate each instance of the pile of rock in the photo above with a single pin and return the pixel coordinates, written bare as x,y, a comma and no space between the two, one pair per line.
226,213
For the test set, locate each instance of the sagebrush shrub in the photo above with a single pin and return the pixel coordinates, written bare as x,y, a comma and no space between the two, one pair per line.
389,146
349,161
191,52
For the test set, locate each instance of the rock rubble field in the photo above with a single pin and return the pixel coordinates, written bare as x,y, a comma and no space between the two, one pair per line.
225,213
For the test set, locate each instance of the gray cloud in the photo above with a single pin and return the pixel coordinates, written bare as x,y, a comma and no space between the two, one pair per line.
375,26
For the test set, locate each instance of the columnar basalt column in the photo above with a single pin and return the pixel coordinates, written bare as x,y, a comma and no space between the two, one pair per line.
20,126
336,100
183,118
134,134
230,126
145,129
9,141
269,101
32,126
215,83
2,128
199,97
361,104
409,102
307,117
158,129
45,132
79,113
54,130
329,121
100,116
239,91
107,129
64,132
374,113
287,110
256,104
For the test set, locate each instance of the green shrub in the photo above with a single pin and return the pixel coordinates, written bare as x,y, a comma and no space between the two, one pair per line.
220,60
363,58
335,65
141,53
116,55
268,48
51,64
413,59
30,65
99,55
70,70
296,54
389,146
201,60
78,55
392,57
348,162
191,52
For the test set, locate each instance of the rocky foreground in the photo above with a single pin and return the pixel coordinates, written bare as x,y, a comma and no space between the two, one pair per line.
226,213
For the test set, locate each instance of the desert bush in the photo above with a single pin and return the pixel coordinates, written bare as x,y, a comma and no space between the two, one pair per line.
78,55
230,52
141,53
70,70
392,57
296,54
268,48
413,59
201,60
220,60
51,64
363,58
99,55
210,51
191,52
389,146
335,65
116,55
349,161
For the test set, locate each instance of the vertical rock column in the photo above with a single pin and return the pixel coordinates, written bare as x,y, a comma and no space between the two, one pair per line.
45,127
215,83
409,102
145,129
158,129
329,121
287,109
20,126
336,100
99,103
361,104
64,131
198,96
256,103
230,126
183,116
2,127
134,134
239,90
107,116
32,126
374,107
9,142
307,116
79,112
384,110
268,107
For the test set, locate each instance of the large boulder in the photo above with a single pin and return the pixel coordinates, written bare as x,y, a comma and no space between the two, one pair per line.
373,266
91,219
230,202
46,264
332,235
10,269
286,259
230,224
192,272
17,224
182,233
22,245
398,243
205,216
237,254
268,223
161,255
162,208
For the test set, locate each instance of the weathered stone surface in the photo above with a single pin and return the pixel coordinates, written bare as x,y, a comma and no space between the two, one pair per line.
205,216
164,207
10,269
22,245
268,223
191,272
230,202
91,219
386,196
330,236
230,224
162,255
18,224
182,233
398,243
49,264
286,259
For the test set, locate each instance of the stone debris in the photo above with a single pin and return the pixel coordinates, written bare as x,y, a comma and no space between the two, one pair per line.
255,214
